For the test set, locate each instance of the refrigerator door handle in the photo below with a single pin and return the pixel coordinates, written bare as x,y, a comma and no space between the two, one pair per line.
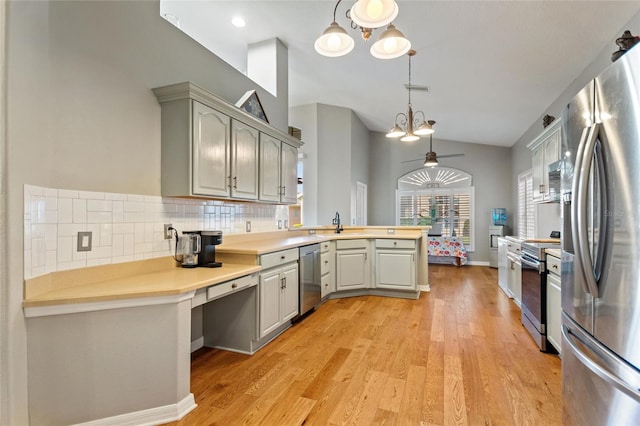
582,225
603,190
575,211
599,361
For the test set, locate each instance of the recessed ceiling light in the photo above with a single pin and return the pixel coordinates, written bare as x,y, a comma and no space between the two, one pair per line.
238,22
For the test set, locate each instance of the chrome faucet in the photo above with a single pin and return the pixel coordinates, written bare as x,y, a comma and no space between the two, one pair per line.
336,221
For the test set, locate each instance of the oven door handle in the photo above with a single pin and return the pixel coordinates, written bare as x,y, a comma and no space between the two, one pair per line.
532,263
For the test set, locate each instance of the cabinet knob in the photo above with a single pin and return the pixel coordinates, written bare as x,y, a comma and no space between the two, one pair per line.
282,257
326,261
234,285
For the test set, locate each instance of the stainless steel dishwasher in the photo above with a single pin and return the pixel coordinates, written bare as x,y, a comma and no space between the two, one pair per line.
309,278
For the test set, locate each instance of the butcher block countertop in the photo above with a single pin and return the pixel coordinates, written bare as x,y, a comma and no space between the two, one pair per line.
164,277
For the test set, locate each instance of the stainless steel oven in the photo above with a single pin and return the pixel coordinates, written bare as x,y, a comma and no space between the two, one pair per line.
534,292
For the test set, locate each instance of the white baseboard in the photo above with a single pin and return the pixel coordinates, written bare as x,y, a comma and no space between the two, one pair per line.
478,263
152,416
197,344
425,287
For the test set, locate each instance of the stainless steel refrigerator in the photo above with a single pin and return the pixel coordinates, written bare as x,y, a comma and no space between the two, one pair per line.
600,185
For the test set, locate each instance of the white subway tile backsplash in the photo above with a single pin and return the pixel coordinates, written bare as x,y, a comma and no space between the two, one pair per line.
79,210
125,227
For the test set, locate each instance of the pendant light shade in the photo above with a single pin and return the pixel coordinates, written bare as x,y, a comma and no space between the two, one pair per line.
374,13
424,129
391,44
334,41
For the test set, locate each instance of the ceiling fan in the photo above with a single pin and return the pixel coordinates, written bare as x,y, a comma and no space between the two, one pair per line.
431,159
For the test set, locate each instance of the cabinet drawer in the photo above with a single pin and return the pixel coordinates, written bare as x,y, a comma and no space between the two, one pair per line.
396,243
324,247
325,263
219,290
350,244
325,285
513,248
553,265
278,258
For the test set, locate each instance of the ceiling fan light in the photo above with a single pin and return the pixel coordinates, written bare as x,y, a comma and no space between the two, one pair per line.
396,132
391,44
431,160
424,129
334,41
374,13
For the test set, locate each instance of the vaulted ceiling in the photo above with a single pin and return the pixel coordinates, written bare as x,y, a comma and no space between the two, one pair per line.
492,67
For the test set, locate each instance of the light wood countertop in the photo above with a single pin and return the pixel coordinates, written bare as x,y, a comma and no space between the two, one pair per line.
285,240
162,277
554,252
104,283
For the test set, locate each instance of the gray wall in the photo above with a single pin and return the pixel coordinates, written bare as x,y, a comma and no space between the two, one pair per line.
81,115
489,165
336,154
520,155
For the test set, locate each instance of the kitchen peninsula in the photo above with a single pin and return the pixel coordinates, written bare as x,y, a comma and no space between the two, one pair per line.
113,343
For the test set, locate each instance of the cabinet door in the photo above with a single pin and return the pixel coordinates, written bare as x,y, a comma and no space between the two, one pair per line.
396,269
244,161
210,151
290,292
352,268
552,149
554,311
538,174
270,289
269,168
289,174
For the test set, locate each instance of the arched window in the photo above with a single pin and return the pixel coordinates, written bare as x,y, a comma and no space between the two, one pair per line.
440,197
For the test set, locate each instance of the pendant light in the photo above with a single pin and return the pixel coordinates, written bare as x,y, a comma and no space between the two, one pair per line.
334,41
374,13
406,126
391,44
365,15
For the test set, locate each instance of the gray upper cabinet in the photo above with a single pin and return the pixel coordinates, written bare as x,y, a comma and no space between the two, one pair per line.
211,153
244,165
289,174
278,171
213,149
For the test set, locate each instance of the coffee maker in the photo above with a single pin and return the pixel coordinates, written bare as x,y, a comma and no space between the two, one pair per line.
208,242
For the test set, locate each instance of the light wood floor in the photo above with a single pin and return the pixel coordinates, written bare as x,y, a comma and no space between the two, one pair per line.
458,355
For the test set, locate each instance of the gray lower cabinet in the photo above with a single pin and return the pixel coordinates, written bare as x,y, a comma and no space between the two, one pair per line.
278,290
352,265
396,264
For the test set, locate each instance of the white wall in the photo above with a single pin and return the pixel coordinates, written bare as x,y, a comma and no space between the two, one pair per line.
520,155
81,115
305,118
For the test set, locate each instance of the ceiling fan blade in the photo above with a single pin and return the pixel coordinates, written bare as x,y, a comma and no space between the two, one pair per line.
411,161
450,155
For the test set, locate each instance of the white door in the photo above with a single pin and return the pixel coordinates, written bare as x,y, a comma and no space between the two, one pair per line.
269,301
290,292
395,269
351,268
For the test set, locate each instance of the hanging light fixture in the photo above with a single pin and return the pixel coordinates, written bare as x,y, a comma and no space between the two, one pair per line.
365,15
407,127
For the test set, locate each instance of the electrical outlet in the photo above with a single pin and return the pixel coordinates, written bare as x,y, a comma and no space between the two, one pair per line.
248,226
286,224
312,231
167,231
84,241
279,223
391,231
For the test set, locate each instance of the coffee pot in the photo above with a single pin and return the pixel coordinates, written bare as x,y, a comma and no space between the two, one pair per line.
189,245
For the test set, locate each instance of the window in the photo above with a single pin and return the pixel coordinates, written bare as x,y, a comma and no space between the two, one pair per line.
440,197
526,207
